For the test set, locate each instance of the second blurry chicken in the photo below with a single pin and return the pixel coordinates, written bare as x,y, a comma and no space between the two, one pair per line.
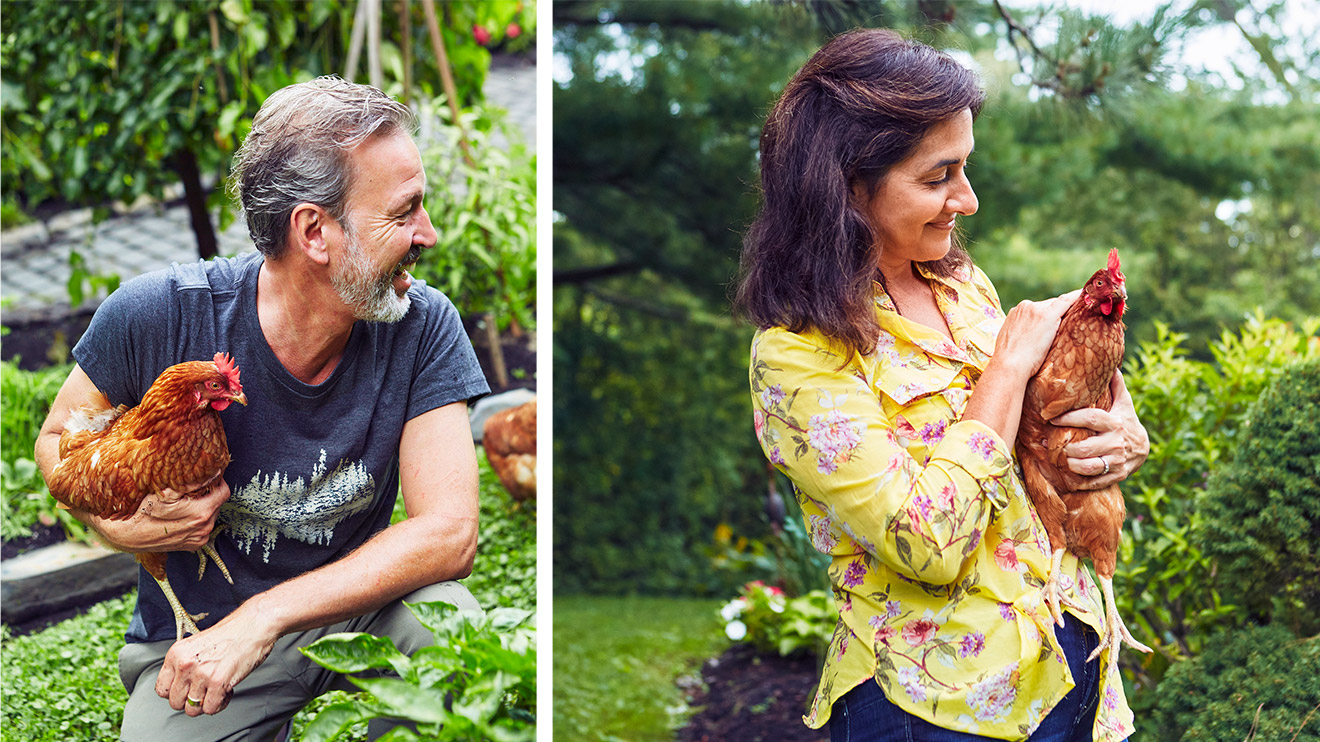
509,438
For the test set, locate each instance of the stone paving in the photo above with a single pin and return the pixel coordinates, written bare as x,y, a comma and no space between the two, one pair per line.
34,258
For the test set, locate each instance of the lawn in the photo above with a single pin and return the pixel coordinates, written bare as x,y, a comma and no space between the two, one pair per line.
62,683
616,660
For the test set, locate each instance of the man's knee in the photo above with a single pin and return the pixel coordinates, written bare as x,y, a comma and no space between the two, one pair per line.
399,623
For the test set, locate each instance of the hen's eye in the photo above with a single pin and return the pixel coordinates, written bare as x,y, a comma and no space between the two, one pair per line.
212,385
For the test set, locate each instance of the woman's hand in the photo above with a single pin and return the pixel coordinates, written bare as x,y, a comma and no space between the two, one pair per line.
1120,441
1028,331
165,521
1024,339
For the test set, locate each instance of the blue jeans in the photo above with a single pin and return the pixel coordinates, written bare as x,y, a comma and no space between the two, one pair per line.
865,715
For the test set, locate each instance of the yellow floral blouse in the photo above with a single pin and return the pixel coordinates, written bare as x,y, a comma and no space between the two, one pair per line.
937,554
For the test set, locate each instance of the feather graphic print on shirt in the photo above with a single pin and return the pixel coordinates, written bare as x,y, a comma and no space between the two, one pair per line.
273,506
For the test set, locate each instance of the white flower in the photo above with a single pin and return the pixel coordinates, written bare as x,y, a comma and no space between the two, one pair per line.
735,630
733,609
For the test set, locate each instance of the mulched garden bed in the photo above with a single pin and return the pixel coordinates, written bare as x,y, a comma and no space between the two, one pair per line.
41,536
753,697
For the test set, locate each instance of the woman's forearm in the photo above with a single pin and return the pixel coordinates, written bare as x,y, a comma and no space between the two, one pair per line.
997,398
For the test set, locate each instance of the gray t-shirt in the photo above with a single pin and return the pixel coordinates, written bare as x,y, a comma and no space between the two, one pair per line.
315,469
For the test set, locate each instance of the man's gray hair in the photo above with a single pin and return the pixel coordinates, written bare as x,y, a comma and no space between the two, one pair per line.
297,152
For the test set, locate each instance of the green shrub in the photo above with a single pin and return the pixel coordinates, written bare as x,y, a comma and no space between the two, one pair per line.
477,682
1194,413
1262,511
1252,684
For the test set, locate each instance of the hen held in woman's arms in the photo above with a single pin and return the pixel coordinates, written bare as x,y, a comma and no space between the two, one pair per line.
1077,373
112,458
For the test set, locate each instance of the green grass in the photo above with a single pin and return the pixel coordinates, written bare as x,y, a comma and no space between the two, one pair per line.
62,683
616,660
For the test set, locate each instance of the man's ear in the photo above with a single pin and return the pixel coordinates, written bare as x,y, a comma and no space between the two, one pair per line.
310,226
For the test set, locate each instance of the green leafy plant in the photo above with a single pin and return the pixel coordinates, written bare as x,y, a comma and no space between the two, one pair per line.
477,682
83,283
62,683
765,617
484,212
1194,413
26,501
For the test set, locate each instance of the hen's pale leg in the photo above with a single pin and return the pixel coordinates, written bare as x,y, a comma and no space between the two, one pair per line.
1116,632
182,619
209,549
1052,593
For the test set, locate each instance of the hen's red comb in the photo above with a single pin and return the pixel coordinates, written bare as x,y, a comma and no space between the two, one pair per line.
1114,273
226,366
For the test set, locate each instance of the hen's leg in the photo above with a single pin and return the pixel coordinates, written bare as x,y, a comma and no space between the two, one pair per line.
1053,515
154,563
1116,633
1052,593
209,549
183,620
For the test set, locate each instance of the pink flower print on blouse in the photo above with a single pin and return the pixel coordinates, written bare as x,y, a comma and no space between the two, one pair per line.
982,444
843,645
758,423
921,508
834,435
883,632
971,645
992,698
856,571
1007,559
918,632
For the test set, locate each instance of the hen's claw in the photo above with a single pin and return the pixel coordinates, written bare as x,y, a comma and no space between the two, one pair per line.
1116,632
210,550
1052,593
184,622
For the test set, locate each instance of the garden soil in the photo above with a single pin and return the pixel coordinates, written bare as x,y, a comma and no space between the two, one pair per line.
750,697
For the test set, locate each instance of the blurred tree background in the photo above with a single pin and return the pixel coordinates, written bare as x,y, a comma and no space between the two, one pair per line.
1097,133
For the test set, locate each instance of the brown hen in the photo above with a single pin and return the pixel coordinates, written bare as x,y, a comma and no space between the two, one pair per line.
110,459
1076,373
509,438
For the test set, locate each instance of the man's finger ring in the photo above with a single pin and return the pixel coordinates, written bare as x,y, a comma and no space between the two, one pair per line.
194,701
1106,463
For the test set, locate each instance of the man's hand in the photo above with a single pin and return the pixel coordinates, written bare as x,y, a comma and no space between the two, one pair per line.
165,521
1120,441
201,670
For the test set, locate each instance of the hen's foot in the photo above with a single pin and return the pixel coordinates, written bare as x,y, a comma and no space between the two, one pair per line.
1052,593
210,550
1116,632
184,622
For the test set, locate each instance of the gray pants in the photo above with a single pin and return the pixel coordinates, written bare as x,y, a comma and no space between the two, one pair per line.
278,688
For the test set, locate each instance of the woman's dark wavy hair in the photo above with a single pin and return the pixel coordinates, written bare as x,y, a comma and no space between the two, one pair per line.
858,107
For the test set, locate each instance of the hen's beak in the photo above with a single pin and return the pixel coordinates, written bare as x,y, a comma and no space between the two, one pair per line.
240,398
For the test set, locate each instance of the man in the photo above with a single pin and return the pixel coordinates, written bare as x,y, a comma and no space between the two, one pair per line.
357,379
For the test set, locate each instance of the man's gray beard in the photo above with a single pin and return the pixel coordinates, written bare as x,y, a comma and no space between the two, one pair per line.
370,294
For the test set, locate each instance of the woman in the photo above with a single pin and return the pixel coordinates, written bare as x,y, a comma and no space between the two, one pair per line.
887,384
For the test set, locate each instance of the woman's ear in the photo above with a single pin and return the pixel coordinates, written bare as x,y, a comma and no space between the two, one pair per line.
308,228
